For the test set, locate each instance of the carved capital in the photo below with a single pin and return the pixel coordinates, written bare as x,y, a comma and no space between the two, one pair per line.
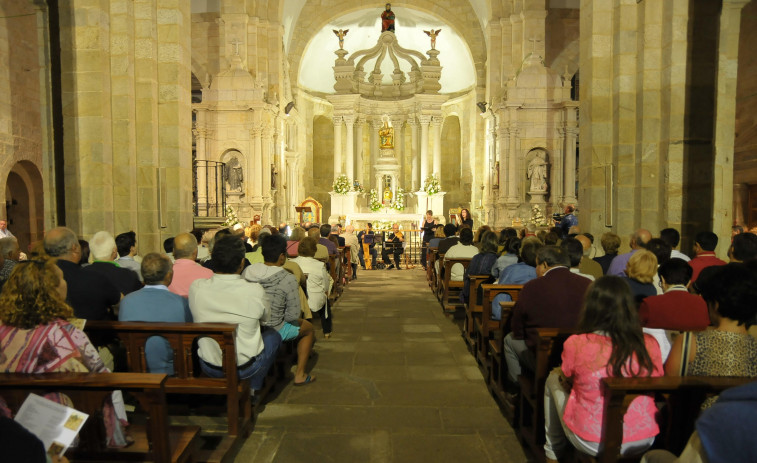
349,119
437,121
424,119
337,120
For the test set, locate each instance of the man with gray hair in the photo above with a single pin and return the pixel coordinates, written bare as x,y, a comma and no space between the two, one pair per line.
155,303
11,253
639,239
185,269
103,249
89,293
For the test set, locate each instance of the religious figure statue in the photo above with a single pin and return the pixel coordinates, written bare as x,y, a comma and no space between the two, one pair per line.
387,19
386,136
341,33
233,175
387,196
433,34
274,175
537,173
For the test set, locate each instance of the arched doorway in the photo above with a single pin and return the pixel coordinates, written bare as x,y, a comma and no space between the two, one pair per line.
24,205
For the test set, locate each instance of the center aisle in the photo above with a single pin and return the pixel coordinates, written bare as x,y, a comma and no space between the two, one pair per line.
395,383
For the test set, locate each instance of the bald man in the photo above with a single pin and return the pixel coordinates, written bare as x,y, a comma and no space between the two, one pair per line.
588,266
638,240
185,269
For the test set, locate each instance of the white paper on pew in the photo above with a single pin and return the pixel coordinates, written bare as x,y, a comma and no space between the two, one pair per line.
118,404
54,424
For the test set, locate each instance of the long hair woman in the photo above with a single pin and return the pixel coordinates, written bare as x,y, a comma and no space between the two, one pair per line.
609,343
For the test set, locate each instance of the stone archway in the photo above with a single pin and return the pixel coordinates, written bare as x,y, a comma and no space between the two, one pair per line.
24,205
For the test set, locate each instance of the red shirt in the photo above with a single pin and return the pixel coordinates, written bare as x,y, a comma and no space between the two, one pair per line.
675,310
702,261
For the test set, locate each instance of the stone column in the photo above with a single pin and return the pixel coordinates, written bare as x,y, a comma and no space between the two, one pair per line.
254,169
416,183
436,123
741,204
359,150
513,172
202,180
265,170
337,146
399,148
424,120
570,164
350,151
503,147
375,126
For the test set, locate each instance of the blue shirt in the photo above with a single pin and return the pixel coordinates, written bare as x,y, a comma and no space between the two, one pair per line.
516,274
154,303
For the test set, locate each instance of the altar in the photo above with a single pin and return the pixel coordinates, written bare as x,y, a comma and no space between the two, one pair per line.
383,217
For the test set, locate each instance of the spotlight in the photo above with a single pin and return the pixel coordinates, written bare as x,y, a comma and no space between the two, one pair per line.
288,107
481,106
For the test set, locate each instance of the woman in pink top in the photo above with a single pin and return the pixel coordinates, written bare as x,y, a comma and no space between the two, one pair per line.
610,343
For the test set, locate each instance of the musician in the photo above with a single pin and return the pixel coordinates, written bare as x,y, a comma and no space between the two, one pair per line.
393,245
367,248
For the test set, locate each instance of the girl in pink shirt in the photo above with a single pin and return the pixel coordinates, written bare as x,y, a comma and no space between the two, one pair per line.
610,343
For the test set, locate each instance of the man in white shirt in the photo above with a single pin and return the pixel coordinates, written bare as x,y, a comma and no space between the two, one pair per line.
462,249
227,298
4,232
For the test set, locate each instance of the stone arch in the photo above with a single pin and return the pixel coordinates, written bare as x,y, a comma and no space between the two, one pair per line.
458,15
24,203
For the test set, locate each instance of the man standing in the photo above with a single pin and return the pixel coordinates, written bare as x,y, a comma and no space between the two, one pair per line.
638,240
185,269
4,232
351,240
568,220
127,249
155,303
429,226
227,298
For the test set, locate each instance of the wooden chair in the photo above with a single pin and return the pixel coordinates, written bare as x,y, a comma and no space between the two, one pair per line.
188,378
547,345
451,289
473,308
155,441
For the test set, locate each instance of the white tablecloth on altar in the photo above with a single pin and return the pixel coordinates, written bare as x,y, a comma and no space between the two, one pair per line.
383,216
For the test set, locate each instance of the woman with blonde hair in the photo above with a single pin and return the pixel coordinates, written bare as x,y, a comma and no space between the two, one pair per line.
641,270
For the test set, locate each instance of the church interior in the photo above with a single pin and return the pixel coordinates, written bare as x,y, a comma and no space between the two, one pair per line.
166,116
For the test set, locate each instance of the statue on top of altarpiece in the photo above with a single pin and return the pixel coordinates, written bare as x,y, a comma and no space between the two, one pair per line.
386,136
387,19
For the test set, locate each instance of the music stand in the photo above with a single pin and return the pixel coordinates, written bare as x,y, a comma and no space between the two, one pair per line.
300,210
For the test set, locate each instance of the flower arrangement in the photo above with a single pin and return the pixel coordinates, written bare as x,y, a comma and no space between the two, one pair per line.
431,186
373,200
537,217
356,186
231,217
399,200
342,185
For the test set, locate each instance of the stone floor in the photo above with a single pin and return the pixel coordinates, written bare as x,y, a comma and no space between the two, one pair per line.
395,383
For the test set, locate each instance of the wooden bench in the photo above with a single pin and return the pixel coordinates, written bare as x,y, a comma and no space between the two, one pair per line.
156,441
548,344
686,395
473,308
347,263
437,284
484,327
431,256
188,377
450,289
498,366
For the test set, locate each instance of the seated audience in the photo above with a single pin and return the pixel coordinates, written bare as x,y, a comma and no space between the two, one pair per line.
11,254
509,257
662,252
185,268
481,263
575,251
479,234
639,239
227,298
704,247
462,249
554,300
609,343
282,289
676,309
351,240
168,248
588,266
325,231
743,248
438,236
298,233
336,232
84,261
727,350
319,283
155,303
449,240
639,274
517,274
127,249
89,293
672,238
610,244
103,248
322,252
552,239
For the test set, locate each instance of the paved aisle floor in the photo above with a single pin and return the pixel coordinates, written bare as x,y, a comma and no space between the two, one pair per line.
395,383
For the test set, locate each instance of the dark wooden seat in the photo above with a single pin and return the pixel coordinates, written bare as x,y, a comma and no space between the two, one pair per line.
547,349
156,441
188,377
498,366
431,257
484,327
450,289
473,307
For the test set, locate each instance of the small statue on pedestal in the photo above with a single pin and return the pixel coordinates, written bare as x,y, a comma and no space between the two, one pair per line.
433,34
341,33
387,19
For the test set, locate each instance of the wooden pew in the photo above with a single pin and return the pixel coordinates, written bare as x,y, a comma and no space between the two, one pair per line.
498,366
451,289
473,308
484,327
548,344
437,276
156,441
431,256
347,263
686,396
188,377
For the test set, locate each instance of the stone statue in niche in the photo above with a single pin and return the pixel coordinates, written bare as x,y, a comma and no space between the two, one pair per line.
433,34
233,174
387,19
537,173
386,136
274,175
